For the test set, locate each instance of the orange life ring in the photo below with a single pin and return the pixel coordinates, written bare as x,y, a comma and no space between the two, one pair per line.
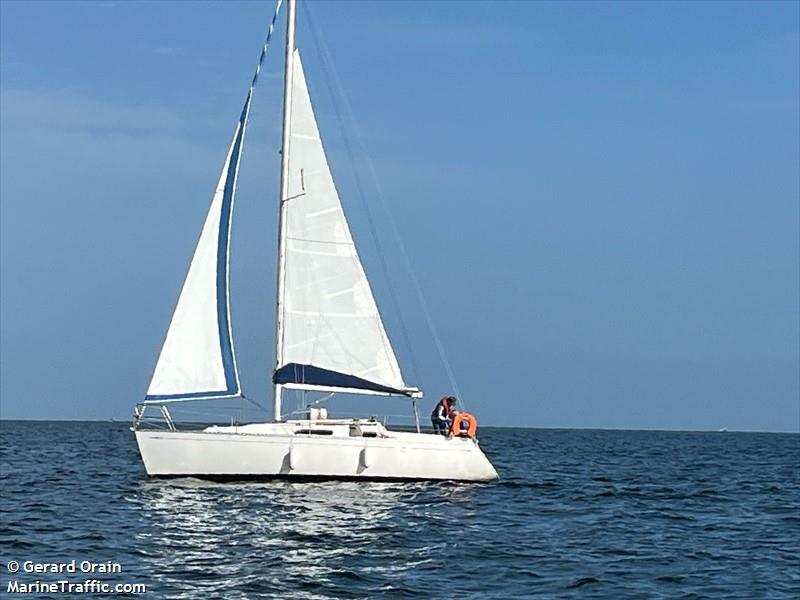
472,425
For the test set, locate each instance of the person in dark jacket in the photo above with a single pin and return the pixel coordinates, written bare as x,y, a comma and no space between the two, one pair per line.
442,414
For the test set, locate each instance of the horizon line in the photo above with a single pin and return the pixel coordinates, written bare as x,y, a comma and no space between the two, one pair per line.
578,428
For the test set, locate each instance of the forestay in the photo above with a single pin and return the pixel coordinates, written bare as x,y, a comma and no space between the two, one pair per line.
333,336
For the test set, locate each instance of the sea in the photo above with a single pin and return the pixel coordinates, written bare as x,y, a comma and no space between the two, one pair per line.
575,514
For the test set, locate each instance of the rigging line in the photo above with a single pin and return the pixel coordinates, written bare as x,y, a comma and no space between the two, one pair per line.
379,190
328,67
265,46
246,115
254,403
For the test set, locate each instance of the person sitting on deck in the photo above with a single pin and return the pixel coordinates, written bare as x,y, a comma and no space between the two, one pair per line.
442,414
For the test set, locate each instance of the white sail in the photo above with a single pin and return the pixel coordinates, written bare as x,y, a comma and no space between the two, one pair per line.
197,359
332,334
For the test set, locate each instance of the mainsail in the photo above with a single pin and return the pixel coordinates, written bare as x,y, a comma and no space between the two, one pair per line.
197,359
332,336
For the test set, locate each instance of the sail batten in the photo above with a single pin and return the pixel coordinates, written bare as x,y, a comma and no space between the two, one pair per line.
331,330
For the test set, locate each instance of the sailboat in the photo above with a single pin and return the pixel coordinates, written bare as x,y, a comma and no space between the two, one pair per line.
329,336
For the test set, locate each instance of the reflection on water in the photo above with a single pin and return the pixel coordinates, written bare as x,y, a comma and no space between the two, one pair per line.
604,514
309,535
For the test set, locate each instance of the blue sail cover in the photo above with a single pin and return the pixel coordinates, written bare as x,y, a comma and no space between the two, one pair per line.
309,375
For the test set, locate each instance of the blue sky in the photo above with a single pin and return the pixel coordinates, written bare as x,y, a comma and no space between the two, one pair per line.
600,201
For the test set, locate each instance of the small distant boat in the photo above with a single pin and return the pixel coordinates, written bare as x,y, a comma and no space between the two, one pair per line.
723,430
329,336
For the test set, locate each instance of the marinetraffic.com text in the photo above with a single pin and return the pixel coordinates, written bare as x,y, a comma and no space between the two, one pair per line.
33,577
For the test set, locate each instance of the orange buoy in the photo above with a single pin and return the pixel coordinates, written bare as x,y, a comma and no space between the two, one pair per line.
472,425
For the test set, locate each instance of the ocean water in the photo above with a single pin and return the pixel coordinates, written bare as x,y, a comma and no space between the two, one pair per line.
577,513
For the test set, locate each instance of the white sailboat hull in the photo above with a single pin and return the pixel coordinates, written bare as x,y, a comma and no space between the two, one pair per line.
277,450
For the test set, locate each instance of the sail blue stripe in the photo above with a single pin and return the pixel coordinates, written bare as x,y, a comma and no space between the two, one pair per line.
222,255
226,347
190,395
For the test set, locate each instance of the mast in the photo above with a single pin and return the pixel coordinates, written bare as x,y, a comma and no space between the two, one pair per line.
284,193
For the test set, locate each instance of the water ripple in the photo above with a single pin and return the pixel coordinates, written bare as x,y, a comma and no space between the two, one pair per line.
602,514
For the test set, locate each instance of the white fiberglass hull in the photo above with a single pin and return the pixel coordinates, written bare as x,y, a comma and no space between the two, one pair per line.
277,450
